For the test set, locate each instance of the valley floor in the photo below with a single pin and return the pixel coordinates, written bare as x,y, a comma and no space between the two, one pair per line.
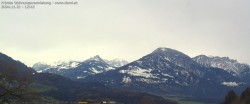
192,101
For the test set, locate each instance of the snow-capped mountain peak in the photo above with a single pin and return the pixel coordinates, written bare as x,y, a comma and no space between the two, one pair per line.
165,69
76,69
176,57
171,53
41,66
67,65
116,62
230,65
95,58
164,64
163,49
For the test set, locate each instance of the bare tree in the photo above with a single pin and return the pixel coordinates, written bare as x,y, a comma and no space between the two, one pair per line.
13,84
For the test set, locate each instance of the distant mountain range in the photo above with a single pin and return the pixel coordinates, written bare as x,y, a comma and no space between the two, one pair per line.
164,72
167,72
66,90
231,66
78,70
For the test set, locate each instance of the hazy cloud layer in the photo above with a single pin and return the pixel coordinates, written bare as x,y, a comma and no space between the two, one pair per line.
127,29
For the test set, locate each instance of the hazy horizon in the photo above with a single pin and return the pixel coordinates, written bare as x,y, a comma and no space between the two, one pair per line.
67,60
126,30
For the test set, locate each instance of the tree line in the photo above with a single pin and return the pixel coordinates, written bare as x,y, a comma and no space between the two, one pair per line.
14,86
233,98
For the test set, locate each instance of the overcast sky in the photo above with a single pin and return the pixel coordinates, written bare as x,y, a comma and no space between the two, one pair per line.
126,29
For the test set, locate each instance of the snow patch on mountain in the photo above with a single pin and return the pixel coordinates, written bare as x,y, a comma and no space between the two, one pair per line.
95,71
39,71
137,71
116,62
167,75
80,77
126,79
67,65
231,84
147,80
40,67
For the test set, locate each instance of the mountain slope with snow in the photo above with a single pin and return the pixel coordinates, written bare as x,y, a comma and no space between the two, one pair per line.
40,67
75,69
167,71
229,65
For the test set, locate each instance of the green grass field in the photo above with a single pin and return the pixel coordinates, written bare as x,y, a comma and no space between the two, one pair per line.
182,101
40,88
187,101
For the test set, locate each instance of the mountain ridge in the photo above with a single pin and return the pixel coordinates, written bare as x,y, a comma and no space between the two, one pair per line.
77,69
230,65
51,88
171,70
